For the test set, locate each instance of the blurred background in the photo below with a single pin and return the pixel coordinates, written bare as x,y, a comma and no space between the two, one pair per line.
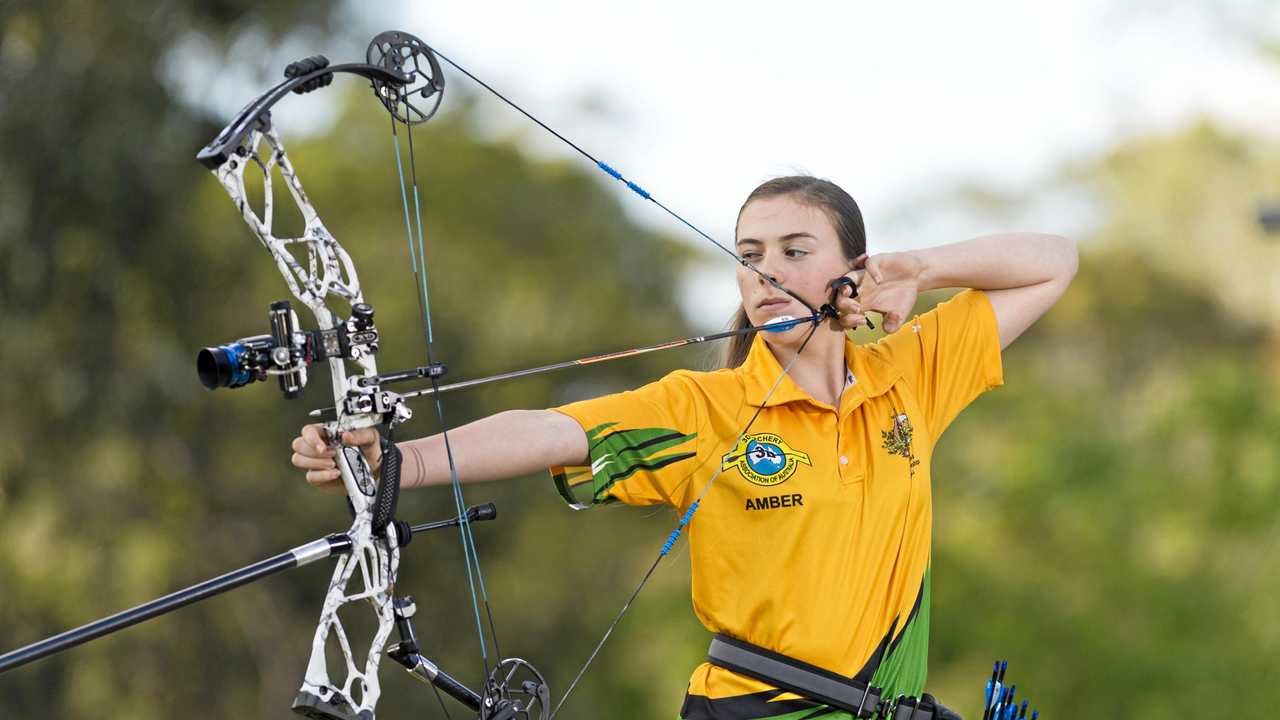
1108,521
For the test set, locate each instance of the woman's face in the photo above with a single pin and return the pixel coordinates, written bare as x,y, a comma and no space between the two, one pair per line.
796,245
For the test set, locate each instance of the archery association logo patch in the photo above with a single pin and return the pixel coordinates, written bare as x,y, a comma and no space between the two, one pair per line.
765,459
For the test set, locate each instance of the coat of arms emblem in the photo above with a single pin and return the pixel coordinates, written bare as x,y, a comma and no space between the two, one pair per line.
897,440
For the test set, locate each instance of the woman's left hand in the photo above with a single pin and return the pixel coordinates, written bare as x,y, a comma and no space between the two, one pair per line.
888,284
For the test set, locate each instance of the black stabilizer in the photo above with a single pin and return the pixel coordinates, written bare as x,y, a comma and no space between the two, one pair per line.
384,503
306,66
407,653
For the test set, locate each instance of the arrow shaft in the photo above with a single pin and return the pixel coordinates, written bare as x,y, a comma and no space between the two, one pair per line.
605,357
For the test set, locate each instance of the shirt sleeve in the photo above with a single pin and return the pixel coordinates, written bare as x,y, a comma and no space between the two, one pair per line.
950,355
642,445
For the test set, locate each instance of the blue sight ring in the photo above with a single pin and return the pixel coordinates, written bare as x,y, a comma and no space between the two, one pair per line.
230,365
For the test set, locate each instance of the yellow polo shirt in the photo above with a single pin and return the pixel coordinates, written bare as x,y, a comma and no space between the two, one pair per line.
814,541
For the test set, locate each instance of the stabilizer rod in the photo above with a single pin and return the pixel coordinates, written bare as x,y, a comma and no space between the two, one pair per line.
301,555
336,544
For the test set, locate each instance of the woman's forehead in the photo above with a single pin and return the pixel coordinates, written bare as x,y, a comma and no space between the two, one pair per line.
776,217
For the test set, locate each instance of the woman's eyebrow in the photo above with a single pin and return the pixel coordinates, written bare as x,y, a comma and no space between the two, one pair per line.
797,236
785,238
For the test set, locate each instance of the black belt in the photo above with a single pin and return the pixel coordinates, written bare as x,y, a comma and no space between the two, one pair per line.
819,684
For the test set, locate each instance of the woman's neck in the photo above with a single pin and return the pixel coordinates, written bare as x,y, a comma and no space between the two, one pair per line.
820,370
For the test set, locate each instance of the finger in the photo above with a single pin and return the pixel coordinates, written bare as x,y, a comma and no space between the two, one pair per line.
316,437
848,305
361,438
321,477
328,481
873,267
303,446
306,462
851,321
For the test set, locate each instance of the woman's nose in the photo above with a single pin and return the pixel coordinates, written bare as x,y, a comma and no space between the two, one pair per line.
768,267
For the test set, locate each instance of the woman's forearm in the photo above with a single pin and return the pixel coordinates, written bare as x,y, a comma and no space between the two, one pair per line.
509,444
997,262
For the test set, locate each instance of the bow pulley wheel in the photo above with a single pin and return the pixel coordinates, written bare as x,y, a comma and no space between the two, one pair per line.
516,691
417,100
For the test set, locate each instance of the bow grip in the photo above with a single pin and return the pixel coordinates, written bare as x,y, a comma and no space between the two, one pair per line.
388,493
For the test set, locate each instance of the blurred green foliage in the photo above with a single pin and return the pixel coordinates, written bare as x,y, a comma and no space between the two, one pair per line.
1116,506
1108,520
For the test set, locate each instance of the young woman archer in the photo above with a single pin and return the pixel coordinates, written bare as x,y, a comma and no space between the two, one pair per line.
813,543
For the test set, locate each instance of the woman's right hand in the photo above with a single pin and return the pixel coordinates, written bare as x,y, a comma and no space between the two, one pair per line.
313,452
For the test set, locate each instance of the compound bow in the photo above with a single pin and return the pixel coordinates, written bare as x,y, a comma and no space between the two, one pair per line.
406,78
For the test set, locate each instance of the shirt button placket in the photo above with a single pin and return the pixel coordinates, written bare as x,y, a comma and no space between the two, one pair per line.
840,456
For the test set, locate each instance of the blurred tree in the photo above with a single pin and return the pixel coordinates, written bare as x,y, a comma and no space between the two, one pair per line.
1115,504
1186,201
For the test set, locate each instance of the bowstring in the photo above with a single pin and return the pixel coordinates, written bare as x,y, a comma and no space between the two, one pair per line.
417,253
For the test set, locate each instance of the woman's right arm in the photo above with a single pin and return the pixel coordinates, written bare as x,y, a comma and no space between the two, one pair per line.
509,444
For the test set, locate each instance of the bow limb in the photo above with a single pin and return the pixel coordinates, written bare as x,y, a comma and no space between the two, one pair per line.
367,575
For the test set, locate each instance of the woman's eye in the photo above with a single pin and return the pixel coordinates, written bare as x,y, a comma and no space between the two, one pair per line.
796,252
750,256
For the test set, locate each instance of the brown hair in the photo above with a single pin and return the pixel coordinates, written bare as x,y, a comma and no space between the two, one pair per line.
825,195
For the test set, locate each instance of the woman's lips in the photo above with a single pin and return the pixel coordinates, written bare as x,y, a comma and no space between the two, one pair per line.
774,304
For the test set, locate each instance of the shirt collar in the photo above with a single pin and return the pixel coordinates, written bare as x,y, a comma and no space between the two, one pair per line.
872,374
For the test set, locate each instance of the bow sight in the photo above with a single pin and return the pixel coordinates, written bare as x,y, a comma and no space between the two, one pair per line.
287,352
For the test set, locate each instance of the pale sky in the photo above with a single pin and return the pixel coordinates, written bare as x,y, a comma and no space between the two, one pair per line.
896,102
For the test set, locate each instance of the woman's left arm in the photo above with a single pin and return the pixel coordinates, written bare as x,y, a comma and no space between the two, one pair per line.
1023,275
